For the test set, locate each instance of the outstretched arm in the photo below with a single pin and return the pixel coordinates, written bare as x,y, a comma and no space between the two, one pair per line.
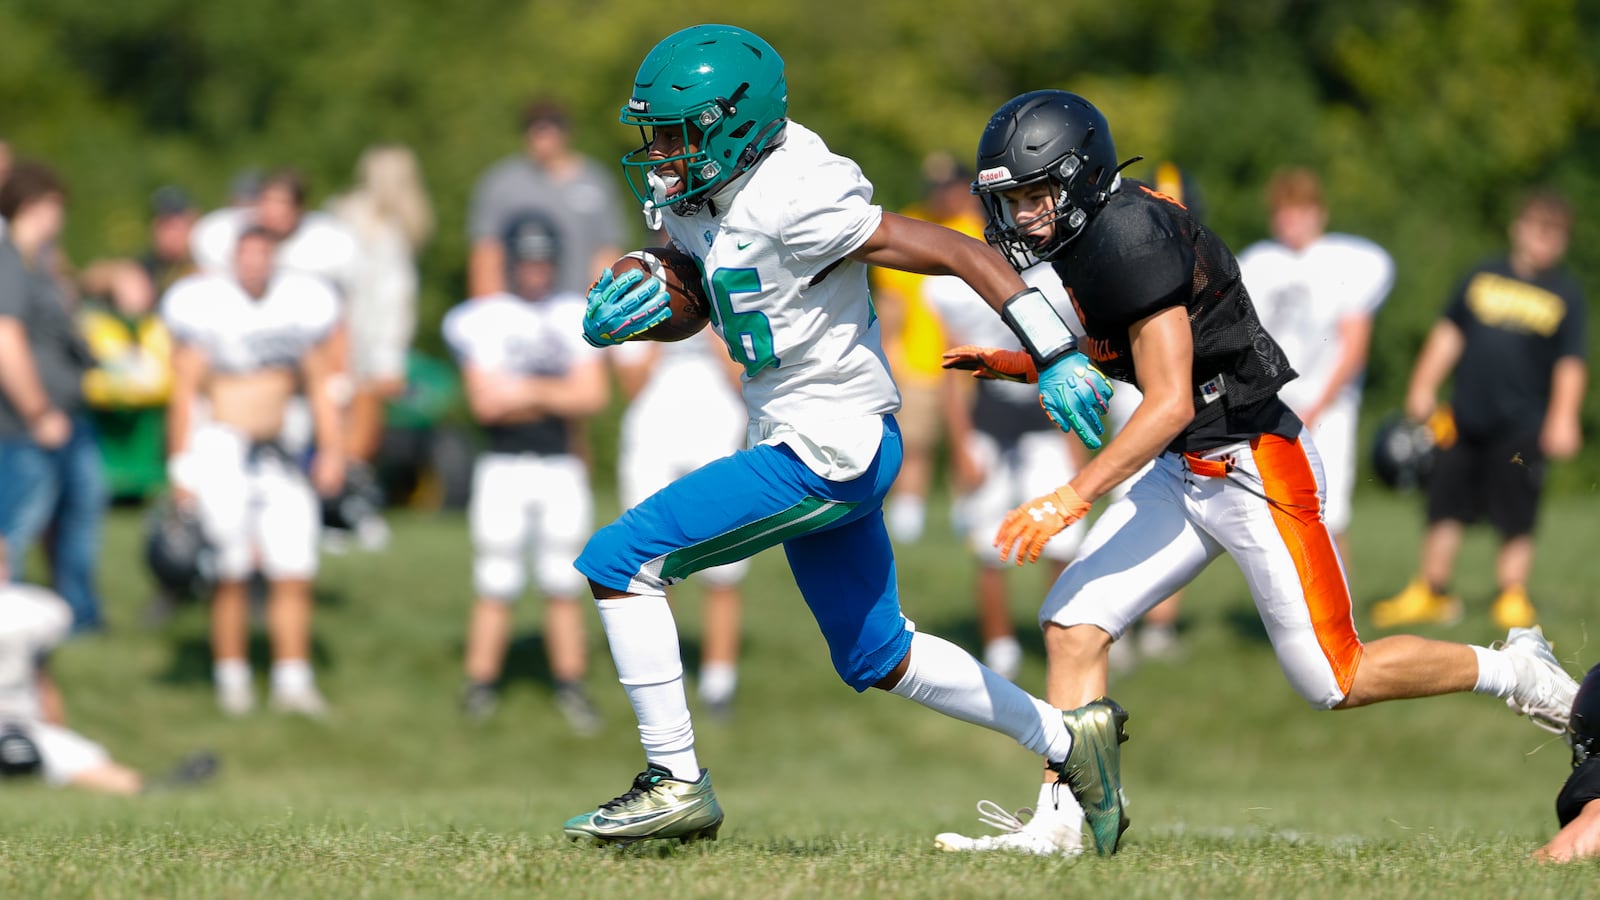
913,245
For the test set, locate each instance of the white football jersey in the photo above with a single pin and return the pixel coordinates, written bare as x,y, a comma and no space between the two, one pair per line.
792,308
1301,297
506,333
240,333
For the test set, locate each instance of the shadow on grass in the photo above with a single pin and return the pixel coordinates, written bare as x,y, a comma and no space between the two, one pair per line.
191,660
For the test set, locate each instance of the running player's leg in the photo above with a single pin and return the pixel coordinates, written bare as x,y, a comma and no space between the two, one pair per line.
1288,559
1142,549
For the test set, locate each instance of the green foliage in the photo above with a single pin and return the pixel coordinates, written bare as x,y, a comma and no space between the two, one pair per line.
1426,119
1238,788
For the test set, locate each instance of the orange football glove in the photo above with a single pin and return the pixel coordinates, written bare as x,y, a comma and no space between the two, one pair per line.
1030,526
991,362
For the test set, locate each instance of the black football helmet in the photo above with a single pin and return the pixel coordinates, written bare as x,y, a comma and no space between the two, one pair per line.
1040,135
19,755
1403,451
532,237
176,550
1583,730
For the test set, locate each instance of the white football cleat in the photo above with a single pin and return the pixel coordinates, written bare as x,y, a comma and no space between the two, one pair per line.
1038,835
1544,691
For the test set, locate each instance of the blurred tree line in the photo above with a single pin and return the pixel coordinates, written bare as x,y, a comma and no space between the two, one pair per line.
1426,119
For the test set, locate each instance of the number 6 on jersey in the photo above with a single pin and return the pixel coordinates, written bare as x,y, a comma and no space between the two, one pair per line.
747,334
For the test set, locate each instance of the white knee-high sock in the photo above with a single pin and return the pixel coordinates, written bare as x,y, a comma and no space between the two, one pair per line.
945,677
644,645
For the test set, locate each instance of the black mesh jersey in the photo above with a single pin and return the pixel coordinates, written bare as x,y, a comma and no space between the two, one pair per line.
1142,253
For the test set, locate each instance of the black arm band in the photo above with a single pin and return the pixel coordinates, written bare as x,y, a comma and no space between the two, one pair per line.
1044,334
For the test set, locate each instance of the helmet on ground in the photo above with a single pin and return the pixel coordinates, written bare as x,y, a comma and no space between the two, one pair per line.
1583,730
180,557
725,87
1052,136
19,755
1403,451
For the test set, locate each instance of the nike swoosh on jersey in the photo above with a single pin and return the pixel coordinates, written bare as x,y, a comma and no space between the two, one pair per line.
744,244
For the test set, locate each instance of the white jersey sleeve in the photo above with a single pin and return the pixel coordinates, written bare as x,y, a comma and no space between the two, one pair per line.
239,333
830,212
506,333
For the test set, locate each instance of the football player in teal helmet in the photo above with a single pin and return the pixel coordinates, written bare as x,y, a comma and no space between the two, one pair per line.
718,93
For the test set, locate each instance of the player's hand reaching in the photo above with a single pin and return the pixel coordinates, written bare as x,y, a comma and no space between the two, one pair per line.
621,309
1030,526
1075,395
991,362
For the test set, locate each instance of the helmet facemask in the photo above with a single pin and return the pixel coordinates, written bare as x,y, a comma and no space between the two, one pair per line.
702,173
1020,243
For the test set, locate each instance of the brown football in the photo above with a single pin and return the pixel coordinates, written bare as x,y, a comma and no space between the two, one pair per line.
685,290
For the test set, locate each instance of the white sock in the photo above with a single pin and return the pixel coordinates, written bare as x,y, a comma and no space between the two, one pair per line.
1496,674
945,677
291,676
1056,802
644,646
717,681
231,673
1004,655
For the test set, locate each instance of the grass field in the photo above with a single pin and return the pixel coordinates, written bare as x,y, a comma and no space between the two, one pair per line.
1237,787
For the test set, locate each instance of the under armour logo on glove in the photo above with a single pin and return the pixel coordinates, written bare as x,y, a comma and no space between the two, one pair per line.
1030,526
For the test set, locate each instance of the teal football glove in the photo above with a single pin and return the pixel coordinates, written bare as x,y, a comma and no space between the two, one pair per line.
621,309
1075,395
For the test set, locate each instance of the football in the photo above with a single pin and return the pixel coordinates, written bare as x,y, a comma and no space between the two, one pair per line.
685,290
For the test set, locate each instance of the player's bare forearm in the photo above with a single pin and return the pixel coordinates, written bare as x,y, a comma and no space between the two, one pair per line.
322,364
580,393
913,245
1568,382
1439,355
1163,355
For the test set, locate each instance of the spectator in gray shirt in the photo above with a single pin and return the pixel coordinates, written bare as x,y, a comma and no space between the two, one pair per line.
50,466
552,178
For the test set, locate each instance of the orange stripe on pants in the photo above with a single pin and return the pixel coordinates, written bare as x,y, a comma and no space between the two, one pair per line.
1287,478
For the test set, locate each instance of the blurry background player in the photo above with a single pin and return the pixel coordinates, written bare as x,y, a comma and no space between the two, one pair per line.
913,340
243,343
390,217
34,738
1003,450
683,412
1316,294
1515,335
552,178
529,379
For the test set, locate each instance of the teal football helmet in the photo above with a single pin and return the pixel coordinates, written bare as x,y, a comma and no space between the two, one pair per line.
725,86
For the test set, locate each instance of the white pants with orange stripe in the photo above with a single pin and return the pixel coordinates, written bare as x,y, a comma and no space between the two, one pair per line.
1265,510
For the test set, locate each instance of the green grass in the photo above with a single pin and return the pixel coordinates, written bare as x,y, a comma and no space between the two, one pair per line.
1238,787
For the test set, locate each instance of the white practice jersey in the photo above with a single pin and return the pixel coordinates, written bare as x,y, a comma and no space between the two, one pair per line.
239,333
32,622
322,246
790,305
1301,298
506,333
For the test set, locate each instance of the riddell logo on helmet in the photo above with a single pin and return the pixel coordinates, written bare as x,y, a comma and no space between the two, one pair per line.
994,175
637,105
